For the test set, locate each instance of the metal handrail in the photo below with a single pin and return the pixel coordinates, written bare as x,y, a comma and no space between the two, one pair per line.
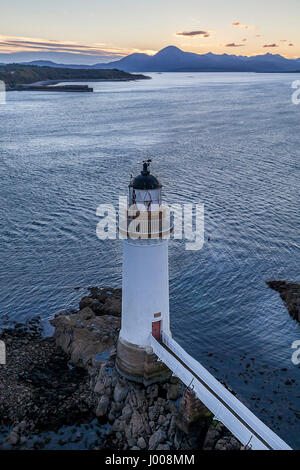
243,424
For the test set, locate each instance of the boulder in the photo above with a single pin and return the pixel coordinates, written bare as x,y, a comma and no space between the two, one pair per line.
221,445
83,335
192,413
157,438
109,299
119,426
161,420
290,294
13,438
152,391
120,392
211,438
103,405
86,302
141,443
174,391
99,387
126,412
234,444
163,447
139,425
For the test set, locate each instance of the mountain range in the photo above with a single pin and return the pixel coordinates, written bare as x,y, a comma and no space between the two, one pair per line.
173,59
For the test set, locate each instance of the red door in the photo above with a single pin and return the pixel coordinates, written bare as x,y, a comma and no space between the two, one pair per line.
156,330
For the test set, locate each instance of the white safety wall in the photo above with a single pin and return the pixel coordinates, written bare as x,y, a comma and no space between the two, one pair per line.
213,403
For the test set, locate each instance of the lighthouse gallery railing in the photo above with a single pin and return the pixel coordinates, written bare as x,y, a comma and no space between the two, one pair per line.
242,423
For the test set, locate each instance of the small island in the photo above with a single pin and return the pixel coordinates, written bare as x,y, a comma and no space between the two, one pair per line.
37,78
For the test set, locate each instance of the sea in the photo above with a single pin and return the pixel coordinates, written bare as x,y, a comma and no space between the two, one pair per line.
230,141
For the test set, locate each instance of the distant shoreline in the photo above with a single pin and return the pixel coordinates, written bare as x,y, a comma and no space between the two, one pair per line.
78,80
22,77
52,83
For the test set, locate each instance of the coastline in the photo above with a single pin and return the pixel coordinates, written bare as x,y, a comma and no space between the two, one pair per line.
69,382
22,76
56,82
52,83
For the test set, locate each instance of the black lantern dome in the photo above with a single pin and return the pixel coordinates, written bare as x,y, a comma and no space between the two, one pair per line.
145,180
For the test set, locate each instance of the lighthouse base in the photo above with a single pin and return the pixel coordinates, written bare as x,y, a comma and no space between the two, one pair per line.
140,364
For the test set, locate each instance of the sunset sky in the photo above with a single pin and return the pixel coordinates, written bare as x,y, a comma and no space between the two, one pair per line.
94,28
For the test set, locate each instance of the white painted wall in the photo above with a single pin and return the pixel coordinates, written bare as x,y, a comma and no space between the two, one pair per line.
145,289
235,416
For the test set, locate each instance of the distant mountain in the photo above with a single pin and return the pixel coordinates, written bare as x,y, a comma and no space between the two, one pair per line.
56,57
49,63
173,59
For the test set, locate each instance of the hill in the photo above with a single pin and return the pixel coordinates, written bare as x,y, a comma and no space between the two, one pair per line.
173,59
50,63
17,75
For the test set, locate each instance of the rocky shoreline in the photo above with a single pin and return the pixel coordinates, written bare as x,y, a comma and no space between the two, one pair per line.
290,294
19,76
70,382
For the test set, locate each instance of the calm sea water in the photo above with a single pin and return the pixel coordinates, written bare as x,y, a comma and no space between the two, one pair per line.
230,141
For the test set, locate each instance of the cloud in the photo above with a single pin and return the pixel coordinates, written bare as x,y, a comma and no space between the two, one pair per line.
244,39
12,44
285,40
270,45
233,44
243,26
192,34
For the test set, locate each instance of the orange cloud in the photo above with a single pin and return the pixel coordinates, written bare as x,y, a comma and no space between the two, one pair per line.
192,34
233,44
243,26
285,40
271,45
11,44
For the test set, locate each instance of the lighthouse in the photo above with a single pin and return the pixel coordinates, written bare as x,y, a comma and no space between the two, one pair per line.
145,227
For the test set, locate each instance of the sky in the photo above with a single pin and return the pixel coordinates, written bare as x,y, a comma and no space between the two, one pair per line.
91,30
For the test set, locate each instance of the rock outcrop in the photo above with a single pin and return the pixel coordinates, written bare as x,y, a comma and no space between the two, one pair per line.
38,389
103,301
290,294
85,334
193,418
49,383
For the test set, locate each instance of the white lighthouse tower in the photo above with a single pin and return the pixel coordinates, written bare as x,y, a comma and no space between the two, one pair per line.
145,302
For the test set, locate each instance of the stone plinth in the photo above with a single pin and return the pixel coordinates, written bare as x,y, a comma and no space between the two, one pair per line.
140,364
